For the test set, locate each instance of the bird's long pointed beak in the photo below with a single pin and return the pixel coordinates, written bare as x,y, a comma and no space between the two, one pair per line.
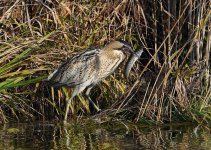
128,49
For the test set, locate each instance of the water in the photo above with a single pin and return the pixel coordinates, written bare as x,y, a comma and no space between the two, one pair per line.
108,136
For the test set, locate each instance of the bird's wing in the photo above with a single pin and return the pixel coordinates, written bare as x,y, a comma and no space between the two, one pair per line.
76,70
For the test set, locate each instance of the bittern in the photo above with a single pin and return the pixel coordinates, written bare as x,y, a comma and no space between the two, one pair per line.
86,69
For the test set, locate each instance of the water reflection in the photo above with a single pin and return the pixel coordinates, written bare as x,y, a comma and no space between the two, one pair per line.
108,136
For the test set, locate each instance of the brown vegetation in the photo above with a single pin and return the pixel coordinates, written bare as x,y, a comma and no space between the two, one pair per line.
171,82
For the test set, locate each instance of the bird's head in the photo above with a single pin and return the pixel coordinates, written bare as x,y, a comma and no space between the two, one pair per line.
120,45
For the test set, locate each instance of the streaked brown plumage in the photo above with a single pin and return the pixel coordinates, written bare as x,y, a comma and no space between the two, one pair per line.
86,69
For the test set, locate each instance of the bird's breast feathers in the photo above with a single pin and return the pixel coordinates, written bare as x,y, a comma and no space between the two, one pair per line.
109,62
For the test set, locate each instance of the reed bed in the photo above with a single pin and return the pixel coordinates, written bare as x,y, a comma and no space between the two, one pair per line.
171,81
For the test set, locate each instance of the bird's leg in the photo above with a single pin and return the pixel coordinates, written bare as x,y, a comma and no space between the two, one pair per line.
90,100
67,109
74,93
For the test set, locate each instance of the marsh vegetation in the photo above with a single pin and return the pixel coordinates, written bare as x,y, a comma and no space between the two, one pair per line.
170,83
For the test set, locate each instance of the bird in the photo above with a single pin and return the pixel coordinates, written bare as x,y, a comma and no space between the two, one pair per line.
85,69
